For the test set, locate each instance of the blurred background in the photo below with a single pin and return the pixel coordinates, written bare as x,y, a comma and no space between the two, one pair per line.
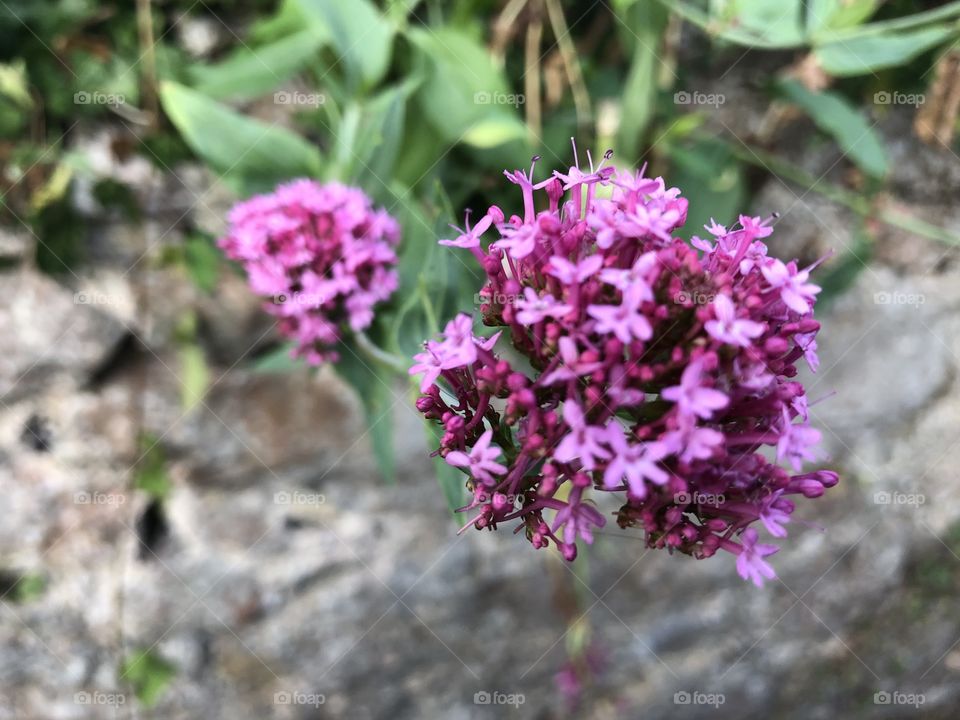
195,526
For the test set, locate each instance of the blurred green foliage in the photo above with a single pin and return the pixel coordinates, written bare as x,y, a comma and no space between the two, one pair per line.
148,673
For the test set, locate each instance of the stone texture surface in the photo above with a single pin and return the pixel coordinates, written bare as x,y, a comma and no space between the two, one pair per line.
286,566
49,330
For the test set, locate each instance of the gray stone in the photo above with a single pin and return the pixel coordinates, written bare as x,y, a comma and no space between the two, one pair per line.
15,243
50,331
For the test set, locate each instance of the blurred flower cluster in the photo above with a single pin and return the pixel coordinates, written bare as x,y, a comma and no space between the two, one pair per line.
321,253
640,366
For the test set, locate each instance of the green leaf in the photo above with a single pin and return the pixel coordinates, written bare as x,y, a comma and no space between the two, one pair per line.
53,189
452,482
840,273
493,131
381,132
362,37
287,20
149,674
463,87
860,55
770,24
898,24
278,361
151,475
838,14
707,170
778,22
436,282
648,21
194,376
371,134
410,324
202,260
14,83
25,588
251,72
418,156
251,156
373,384
833,114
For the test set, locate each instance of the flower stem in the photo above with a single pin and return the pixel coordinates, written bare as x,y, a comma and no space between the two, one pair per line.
380,356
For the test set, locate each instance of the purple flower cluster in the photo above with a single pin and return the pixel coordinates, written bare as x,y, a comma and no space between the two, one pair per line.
323,255
639,366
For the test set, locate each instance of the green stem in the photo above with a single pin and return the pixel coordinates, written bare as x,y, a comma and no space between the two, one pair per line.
428,306
380,356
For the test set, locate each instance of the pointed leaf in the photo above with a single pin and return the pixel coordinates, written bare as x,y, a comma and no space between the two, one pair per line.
280,360
648,21
371,135
833,114
252,72
866,54
363,38
452,482
838,14
251,156
463,87
374,385
495,130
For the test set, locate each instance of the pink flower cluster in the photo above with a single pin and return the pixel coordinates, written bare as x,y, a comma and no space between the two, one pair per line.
321,253
640,366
